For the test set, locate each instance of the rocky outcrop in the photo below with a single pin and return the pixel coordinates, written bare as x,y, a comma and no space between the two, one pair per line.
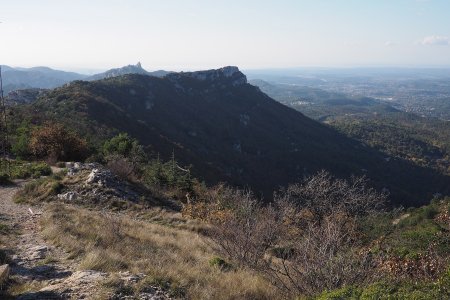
229,75
93,183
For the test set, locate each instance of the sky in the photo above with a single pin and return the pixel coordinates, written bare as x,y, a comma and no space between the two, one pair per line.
93,35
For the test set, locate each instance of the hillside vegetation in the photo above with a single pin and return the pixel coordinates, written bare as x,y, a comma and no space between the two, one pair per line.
323,238
228,130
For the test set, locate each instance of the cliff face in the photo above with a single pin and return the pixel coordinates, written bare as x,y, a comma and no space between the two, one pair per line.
224,76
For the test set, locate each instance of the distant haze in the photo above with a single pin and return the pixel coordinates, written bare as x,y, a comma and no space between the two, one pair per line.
92,36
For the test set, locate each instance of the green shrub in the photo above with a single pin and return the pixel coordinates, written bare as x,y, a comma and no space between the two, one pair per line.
23,170
167,174
348,292
220,263
21,140
377,291
439,289
121,144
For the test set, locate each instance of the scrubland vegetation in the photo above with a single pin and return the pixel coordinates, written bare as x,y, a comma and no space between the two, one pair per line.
173,257
323,238
320,238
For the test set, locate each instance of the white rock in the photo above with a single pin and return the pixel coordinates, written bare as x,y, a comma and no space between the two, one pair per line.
69,196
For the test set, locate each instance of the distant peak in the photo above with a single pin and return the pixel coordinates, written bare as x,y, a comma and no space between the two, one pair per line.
139,65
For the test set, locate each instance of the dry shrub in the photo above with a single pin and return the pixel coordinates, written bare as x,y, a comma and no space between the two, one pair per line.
54,142
304,243
325,257
121,167
424,266
322,195
246,234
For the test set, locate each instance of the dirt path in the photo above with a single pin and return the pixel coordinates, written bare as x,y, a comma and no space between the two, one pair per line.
43,271
40,270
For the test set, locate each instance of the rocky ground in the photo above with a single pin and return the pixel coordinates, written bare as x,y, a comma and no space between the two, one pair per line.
93,183
42,271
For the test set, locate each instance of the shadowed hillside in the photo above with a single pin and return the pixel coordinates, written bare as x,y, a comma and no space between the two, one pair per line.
229,130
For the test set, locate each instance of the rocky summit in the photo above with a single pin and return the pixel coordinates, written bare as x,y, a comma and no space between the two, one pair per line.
229,74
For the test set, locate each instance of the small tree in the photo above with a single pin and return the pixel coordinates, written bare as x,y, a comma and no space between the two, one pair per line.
168,174
20,146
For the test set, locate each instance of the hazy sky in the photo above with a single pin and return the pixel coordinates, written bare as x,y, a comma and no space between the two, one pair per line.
198,34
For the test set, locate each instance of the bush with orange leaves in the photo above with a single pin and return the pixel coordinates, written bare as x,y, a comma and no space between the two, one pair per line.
53,142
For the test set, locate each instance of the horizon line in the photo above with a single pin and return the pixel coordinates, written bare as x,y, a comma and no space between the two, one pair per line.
92,70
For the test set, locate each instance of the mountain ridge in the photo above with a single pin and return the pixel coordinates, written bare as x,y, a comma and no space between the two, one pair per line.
42,77
229,130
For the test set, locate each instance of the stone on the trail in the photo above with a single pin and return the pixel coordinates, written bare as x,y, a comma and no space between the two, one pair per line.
4,274
79,280
69,196
131,278
86,276
37,252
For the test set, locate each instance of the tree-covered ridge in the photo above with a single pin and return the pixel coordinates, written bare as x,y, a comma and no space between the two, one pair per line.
227,129
423,141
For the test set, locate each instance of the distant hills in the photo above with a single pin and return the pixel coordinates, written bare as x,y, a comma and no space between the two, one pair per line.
37,77
47,78
228,129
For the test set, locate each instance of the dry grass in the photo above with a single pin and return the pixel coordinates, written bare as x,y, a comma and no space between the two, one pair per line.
20,287
38,190
172,257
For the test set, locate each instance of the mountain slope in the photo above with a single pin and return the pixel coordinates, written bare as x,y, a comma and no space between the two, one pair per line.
229,130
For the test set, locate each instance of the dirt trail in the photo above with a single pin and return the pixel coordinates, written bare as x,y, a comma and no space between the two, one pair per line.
41,267
44,271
